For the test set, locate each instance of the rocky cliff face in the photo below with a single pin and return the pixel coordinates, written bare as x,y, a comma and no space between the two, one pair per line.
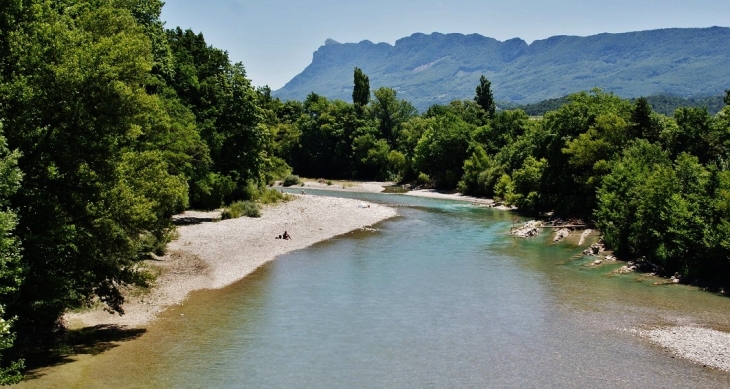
438,68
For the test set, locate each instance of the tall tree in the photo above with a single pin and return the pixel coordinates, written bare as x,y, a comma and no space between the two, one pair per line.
442,149
641,120
76,108
726,99
361,90
484,96
390,113
10,265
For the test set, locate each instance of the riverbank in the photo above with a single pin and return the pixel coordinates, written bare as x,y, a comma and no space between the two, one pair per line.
210,254
704,346
435,194
380,186
343,186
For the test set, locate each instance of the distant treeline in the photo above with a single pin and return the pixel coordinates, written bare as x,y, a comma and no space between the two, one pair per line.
664,104
110,124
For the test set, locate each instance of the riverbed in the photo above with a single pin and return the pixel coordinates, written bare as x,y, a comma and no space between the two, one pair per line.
440,296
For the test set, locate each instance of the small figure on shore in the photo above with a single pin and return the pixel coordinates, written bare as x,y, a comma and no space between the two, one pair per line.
286,236
278,237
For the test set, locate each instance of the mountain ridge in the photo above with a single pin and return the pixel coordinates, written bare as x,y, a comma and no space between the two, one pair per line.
437,68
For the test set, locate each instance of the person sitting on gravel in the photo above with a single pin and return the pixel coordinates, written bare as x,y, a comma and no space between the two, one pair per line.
286,236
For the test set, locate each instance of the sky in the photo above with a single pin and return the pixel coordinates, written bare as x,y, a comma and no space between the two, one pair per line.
275,39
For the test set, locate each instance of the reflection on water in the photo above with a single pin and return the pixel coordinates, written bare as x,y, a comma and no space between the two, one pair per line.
439,297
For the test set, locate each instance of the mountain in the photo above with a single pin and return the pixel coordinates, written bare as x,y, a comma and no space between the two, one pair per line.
438,68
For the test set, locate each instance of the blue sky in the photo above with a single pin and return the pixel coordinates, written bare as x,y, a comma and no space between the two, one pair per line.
275,39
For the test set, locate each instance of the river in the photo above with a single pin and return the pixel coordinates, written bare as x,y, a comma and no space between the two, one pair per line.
439,297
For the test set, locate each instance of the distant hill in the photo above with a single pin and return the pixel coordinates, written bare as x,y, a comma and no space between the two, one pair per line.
438,68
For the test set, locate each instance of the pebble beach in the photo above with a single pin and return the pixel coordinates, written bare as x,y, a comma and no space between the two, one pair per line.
214,253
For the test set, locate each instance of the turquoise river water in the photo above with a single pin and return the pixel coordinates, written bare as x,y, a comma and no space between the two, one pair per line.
438,297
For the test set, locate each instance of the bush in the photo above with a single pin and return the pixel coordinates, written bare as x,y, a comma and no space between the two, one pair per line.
271,196
241,208
277,169
250,191
292,179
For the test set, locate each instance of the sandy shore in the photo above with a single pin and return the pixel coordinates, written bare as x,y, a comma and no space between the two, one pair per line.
434,194
211,254
345,186
705,346
379,186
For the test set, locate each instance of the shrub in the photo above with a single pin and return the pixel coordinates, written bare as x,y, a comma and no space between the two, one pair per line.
241,208
271,196
292,179
250,191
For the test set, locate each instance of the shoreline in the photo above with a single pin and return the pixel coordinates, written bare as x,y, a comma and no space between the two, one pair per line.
379,186
212,254
705,346
435,194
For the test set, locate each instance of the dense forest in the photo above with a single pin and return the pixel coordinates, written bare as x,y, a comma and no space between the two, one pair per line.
111,124
664,104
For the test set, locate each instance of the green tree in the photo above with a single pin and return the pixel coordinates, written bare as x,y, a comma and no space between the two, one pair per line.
619,195
147,15
326,132
484,96
11,271
442,149
228,116
410,133
693,134
591,153
526,190
474,166
564,184
361,90
468,111
371,157
642,123
390,113
77,107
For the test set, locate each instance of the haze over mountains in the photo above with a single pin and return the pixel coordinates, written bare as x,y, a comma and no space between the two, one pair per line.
438,68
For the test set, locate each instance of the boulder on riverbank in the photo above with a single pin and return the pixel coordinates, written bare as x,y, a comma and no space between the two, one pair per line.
561,234
595,248
527,230
583,236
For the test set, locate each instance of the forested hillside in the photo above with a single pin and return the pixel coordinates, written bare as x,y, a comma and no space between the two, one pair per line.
110,124
439,68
